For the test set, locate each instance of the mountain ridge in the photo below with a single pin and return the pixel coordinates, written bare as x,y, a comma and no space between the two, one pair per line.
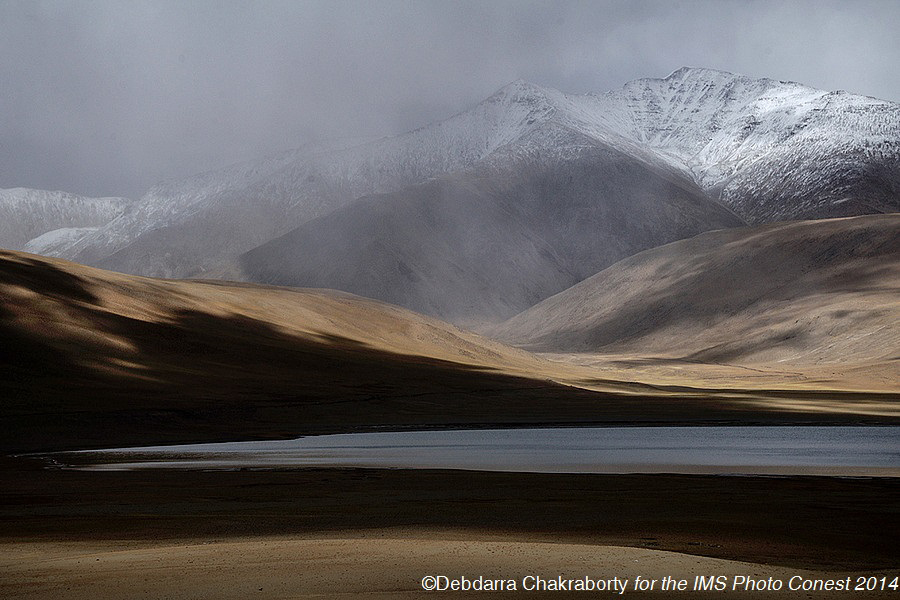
27,214
767,150
483,245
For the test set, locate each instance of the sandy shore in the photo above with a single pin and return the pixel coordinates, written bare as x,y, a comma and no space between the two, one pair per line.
379,563
353,532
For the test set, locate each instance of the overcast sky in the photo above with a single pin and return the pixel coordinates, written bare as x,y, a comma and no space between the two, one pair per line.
109,97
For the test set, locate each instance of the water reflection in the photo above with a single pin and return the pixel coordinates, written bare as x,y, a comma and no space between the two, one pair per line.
749,450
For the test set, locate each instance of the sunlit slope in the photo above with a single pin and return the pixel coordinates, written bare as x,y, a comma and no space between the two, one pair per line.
70,305
97,359
93,358
798,293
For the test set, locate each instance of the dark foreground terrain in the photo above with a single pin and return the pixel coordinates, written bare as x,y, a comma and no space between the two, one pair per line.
351,532
812,522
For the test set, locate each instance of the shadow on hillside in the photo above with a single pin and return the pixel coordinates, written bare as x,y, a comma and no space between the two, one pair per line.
44,278
195,376
697,295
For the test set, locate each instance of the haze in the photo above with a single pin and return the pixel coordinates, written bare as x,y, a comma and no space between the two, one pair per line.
108,98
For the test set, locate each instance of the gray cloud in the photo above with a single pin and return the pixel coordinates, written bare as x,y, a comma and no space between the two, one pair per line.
108,97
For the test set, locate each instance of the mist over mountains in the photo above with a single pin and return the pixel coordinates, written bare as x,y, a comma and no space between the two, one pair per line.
41,221
680,238
484,245
482,215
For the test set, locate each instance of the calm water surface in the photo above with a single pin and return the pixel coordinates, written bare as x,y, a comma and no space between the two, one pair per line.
745,450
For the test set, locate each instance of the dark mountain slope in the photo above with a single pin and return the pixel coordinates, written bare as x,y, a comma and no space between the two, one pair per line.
482,246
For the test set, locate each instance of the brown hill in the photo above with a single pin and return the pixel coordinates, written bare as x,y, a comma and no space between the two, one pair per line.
95,358
98,359
799,293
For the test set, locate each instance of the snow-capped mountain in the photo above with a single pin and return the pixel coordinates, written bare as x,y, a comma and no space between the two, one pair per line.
26,214
483,245
768,150
192,228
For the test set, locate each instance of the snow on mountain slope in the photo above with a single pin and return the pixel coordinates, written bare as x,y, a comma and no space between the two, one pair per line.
766,149
186,229
55,241
769,150
480,246
27,213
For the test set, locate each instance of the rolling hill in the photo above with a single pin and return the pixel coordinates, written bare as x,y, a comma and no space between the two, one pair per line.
796,293
100,359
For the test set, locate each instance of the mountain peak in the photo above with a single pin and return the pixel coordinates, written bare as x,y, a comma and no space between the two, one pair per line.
520,91
738,139
693,74
700,73
518,85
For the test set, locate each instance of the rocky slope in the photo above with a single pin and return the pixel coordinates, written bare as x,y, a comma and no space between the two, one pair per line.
770,150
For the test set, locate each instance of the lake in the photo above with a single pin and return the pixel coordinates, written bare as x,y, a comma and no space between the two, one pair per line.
775,450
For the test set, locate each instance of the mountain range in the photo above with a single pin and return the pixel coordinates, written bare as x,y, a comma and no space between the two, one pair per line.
700,248
482,215
478,217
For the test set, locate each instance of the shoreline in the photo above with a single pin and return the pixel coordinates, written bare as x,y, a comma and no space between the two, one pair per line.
392,564
359,533
765,419
797,521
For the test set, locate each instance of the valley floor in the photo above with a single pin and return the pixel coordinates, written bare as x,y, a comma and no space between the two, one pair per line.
374,563
353,532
